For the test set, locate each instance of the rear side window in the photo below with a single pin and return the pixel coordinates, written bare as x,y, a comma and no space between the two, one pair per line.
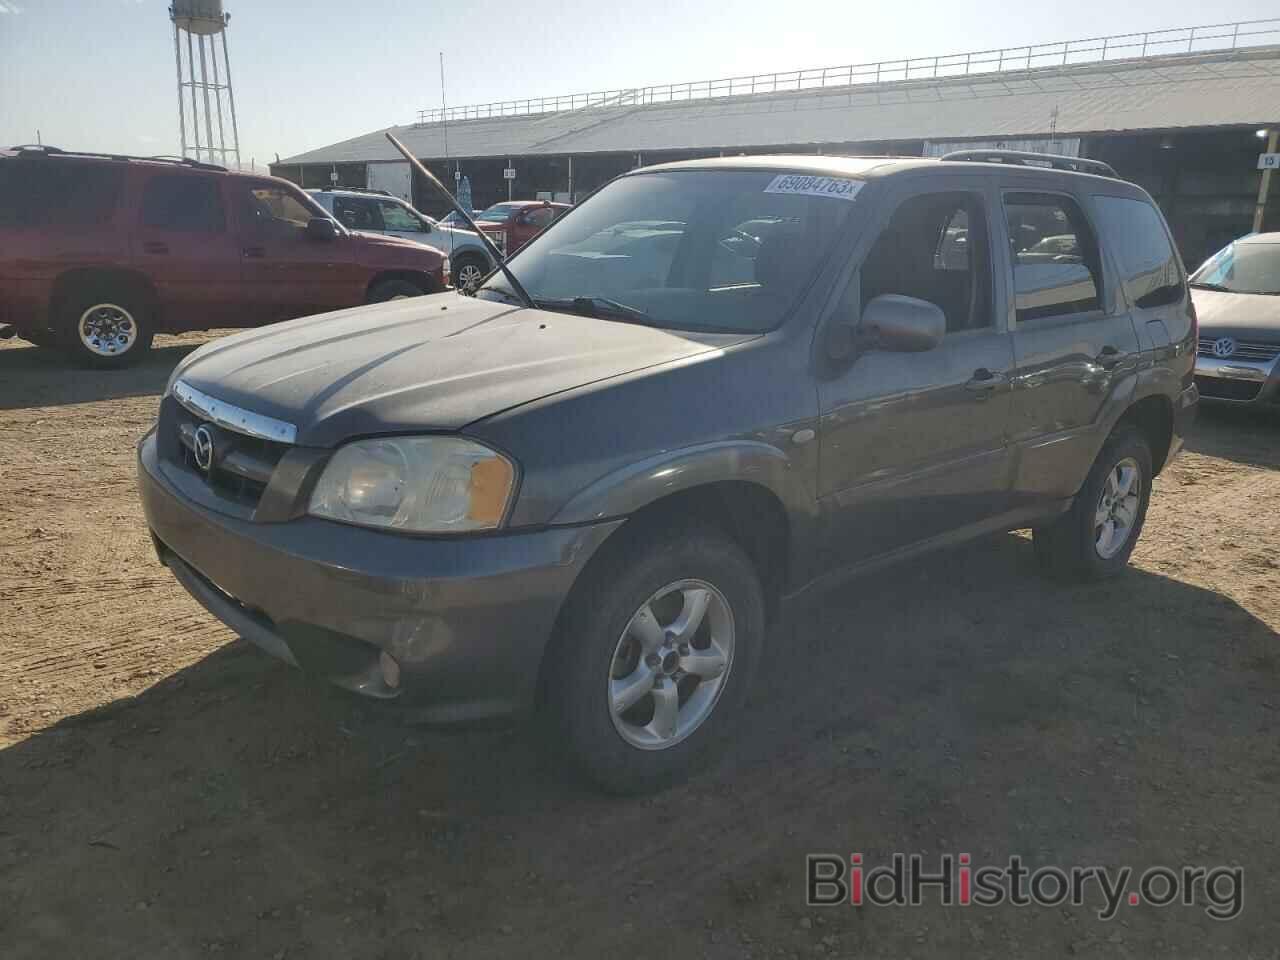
49,192
357,214
187,203
1056,268
1136,235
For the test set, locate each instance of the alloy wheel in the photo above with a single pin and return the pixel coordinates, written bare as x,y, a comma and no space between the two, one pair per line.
107,330
670,665
1117,509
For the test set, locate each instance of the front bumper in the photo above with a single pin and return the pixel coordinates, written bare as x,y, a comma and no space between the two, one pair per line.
1238,381
466,619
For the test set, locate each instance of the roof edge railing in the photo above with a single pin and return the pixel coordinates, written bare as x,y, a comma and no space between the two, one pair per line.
1124,46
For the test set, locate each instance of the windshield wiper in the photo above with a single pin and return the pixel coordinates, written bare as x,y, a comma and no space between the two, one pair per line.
600,307
1204,285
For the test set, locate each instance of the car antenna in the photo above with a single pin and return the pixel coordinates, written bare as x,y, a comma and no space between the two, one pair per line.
493,247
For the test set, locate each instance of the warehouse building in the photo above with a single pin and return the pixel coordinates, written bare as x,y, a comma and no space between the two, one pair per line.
1179,111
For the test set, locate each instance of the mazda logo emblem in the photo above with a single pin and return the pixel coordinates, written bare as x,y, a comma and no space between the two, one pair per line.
202,447
1224,347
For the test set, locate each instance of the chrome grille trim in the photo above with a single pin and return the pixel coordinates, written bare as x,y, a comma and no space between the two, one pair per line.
234,418
1245,350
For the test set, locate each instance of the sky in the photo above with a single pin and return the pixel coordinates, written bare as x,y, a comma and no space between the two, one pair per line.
99,74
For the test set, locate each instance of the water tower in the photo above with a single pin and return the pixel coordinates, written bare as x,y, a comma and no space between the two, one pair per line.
198,24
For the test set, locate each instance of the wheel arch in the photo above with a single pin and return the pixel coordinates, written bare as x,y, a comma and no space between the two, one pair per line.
1153,415
418,278
70,282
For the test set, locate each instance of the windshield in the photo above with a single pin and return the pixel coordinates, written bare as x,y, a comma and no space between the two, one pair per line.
499,211
690,249
1242,267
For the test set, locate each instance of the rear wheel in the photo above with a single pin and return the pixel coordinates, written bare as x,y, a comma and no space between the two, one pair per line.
1095,538
394,290
105,325
651,671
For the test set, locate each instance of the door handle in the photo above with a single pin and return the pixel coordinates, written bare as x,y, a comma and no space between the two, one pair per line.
254,253
155,246
1108,357
984,383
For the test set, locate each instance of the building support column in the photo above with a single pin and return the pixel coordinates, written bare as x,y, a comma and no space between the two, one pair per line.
1260,210
571,179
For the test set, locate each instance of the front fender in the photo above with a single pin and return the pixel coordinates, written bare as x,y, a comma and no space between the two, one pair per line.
637,485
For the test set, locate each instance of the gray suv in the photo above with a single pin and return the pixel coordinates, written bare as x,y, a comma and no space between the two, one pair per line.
376,212
734,381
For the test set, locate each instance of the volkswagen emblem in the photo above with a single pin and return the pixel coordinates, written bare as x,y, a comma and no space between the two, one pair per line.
1224,347
202,447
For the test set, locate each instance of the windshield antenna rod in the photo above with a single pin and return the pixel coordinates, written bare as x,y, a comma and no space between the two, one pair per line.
431,178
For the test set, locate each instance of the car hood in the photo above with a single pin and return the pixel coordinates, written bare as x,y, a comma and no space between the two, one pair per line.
428,363
367,239
1245,316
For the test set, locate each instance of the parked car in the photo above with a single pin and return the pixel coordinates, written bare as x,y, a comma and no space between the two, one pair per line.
99,253
370,212
513,223
592,502
1237,295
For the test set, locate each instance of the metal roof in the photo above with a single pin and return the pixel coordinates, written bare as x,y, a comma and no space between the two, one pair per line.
1228,88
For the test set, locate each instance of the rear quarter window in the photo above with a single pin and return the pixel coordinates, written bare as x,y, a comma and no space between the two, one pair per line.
49,192
1148,263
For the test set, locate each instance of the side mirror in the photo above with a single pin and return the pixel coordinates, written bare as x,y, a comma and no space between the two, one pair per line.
321,229
903,324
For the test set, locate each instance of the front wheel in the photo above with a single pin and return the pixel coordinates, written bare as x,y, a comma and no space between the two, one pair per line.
651,671
1095,538
468,272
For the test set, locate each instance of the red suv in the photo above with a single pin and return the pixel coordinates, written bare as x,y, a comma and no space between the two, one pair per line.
99,253
513,223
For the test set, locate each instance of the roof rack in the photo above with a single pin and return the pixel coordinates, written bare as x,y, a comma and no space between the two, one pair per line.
1026,159
381,193
45,150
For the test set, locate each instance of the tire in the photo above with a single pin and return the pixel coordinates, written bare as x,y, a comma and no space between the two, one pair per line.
600,645
468,271
1076,545
105,325
394,290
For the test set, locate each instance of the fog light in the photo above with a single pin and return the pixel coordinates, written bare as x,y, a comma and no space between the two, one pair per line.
390,670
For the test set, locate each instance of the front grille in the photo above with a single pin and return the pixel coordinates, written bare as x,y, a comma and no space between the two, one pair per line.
242,465
1216,388
1245,350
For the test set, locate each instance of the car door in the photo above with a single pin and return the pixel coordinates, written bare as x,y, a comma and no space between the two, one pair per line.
184,243
286,272
1074,342
914,445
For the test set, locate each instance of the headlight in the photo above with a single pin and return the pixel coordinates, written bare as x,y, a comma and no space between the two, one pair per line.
416,484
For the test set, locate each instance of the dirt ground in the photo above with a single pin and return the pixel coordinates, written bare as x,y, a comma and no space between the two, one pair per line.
167,791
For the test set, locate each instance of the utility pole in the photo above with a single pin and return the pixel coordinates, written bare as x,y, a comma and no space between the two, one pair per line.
1272,136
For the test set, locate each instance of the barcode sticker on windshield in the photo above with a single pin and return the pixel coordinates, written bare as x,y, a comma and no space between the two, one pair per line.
811,186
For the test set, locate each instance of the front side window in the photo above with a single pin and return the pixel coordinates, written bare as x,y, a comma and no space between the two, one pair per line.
935,248
184,203
1056,268
355,213
397,217
669,247
1148,264
1246,266
272,206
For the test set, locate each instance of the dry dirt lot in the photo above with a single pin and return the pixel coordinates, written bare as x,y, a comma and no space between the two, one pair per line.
167,791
